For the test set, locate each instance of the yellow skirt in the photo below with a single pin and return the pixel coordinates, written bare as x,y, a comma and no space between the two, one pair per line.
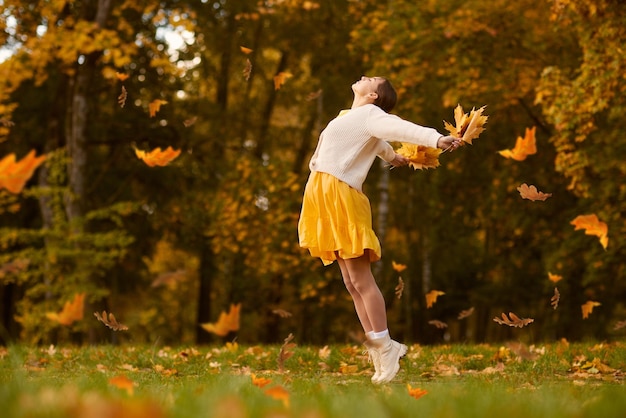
336,220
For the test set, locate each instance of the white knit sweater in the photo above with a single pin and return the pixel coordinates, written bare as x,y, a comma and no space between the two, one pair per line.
349,144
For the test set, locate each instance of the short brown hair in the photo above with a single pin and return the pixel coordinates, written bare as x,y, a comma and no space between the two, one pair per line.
387,96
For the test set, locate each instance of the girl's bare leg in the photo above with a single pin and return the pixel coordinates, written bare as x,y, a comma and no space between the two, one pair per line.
368,300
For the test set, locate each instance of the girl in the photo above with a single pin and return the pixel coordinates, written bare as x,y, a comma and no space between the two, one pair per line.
336,220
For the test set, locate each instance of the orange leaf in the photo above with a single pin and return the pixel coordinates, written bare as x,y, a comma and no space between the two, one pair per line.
531,193
121,99
121,76
420,157
154,106
245,50
587,307
14,174
280,79
592,226
513,320
415,392
157,156
71,312
226,322
554,277
123,382
431,297
398,267
523,146
279,393
259,381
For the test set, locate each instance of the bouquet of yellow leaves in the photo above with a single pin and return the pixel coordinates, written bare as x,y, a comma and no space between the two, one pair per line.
420,157
468,126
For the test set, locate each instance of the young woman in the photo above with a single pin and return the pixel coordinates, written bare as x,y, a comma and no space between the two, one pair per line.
336,219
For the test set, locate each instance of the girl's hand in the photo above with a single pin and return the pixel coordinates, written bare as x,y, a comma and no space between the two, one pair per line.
449,143
399,161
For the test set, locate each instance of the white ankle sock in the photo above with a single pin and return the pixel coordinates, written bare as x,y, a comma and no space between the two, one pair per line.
369,335
377,335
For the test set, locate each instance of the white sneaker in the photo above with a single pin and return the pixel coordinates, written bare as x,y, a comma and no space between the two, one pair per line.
389,354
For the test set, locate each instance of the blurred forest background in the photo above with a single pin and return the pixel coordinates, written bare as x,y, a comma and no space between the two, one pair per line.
168,248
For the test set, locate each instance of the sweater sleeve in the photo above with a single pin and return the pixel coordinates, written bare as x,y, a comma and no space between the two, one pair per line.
392,128
385,151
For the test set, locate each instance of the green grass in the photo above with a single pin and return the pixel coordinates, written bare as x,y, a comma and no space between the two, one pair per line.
557,380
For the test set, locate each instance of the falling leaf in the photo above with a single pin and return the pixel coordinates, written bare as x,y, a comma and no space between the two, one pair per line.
431,297
155,105
282,313
523,146
314,95
398,267
468,127
592,226
513,320
587,307
619,325
285,352
279,393
121,99
399,288
245,50
259,381
14,174
6,122
554,301
531,193
465,313
188,122
110,321
121,76
420,157
280,79
123,382
438,324
247,70
415,392
554,277
227,322
169,278
71,312
157,157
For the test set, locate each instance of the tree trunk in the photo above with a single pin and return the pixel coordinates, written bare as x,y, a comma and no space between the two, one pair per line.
207,272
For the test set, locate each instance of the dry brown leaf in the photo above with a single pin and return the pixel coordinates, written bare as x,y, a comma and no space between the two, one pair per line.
554,301
121,99
438,324
399,288
247,70
110,321
513,320
619,325
465,313
531,193
285,352
282,313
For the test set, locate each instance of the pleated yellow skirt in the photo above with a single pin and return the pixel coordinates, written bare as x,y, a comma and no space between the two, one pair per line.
336,220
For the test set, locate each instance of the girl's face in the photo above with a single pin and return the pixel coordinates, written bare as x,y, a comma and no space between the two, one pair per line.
367,85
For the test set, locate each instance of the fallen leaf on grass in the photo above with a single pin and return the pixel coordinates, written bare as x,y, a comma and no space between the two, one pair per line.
122,382
415,392
259,381
279,393
513,320
285,352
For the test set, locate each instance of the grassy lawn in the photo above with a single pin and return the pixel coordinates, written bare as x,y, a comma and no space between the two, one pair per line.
512,380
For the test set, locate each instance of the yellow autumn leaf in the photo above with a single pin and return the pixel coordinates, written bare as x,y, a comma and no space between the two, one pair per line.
14,174
227,322
420,157
157,157
279,393
398,267
523,146
154,106
554,278
592,226
71,312
280,79
123,382
587,307
431,297
467,126
415,392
